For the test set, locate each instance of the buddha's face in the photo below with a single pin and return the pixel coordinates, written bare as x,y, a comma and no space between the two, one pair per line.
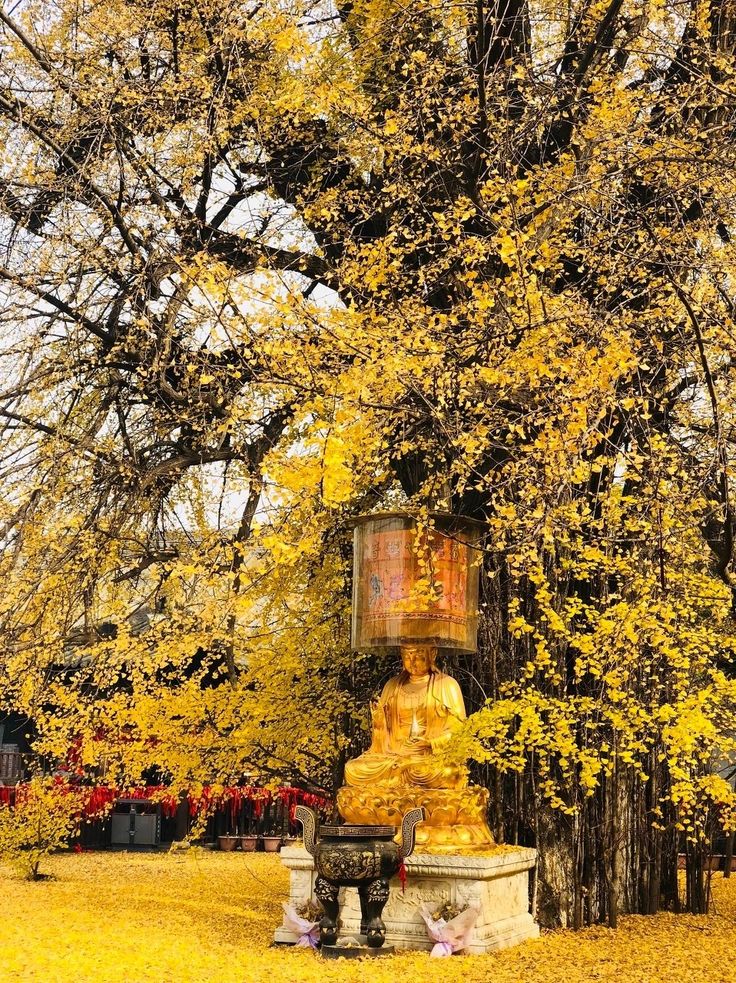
418,660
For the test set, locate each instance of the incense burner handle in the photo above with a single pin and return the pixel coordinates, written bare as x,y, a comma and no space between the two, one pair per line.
308,818
408,830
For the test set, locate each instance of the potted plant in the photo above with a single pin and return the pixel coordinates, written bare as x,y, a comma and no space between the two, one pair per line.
228,842
249,838
271,842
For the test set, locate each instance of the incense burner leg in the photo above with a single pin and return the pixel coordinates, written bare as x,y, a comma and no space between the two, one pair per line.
328,895
363,896
373,898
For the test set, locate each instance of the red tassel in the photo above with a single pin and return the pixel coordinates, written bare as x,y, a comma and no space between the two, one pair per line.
402,876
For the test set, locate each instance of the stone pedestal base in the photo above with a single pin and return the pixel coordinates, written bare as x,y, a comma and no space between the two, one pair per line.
497,884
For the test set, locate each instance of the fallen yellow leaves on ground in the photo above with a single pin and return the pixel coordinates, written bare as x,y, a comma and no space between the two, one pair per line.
210,916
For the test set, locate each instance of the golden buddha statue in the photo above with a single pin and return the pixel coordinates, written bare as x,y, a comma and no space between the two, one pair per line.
417,714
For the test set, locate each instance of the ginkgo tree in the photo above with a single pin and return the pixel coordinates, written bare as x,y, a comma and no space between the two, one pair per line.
270,265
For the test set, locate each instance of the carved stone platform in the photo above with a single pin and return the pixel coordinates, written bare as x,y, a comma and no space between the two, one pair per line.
497,883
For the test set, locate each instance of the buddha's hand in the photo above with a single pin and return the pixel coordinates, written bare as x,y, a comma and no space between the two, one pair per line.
417,745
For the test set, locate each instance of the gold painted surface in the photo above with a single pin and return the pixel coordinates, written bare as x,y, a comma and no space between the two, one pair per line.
417,714
455,819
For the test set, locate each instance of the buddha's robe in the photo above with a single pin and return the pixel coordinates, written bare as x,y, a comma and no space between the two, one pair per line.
433,713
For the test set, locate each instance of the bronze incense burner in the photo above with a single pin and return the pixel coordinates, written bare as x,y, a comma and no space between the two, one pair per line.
365,857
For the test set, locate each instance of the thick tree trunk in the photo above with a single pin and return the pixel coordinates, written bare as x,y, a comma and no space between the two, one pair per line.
555,867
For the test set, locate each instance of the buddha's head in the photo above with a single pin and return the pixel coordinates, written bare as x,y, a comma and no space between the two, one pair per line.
418,660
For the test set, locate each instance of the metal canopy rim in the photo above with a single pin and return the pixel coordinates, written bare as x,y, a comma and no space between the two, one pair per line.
448,518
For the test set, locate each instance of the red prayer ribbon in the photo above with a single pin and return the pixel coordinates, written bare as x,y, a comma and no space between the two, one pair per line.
402,876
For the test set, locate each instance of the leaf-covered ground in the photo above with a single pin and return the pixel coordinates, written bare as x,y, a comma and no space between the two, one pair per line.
198,916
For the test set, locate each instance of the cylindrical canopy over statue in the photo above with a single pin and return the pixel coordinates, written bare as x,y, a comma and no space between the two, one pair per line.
416,582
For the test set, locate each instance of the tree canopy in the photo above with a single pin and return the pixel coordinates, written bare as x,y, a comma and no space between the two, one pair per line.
269,265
